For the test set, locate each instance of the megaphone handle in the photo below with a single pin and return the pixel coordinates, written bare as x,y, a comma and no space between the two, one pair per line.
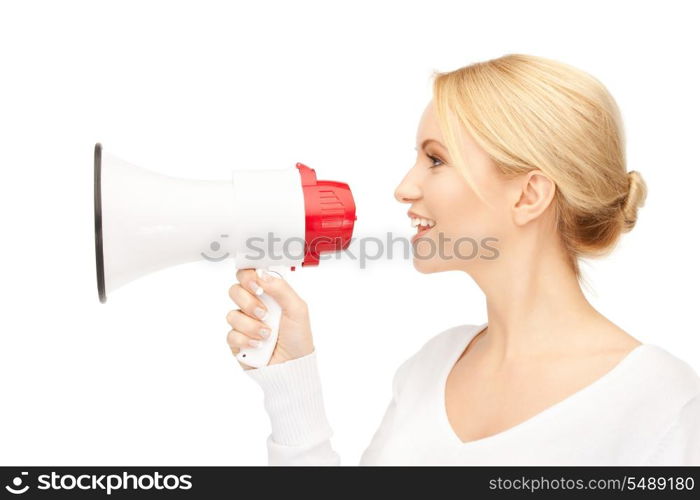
260,356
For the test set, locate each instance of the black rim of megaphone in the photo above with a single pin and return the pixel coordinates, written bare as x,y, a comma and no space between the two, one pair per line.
99,255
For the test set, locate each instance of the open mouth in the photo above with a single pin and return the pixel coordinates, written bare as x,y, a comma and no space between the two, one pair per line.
422,225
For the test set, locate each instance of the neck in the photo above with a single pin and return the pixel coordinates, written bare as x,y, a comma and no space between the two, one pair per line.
534,304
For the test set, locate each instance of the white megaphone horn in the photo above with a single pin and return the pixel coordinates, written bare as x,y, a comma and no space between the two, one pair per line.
145,221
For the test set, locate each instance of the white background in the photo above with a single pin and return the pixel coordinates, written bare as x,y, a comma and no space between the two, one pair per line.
196,89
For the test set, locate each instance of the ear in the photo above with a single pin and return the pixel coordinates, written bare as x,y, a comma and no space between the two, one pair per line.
536,192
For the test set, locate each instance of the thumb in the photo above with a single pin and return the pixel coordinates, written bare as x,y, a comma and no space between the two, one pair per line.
282,292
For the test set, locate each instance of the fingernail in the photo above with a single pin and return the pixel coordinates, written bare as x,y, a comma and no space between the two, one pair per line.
255,287
264,332
265,276
254,343
260,313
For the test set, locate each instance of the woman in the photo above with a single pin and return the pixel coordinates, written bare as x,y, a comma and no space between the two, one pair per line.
525,156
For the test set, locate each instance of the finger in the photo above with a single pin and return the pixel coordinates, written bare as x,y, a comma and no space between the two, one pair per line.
237,340
250,327
249,280
248,302
282,292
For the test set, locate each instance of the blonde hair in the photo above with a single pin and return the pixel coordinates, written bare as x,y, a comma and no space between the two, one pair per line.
530,113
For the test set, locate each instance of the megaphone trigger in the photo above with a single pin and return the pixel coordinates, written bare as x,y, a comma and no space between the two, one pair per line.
261,271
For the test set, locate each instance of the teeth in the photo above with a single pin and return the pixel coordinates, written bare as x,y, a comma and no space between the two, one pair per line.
417,221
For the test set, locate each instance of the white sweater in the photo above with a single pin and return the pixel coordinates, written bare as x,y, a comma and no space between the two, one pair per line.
645,411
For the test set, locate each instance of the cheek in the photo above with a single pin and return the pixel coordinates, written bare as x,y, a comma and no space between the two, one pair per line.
460,212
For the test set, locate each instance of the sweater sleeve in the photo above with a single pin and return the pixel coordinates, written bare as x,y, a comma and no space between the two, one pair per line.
680,445
294,402
373,453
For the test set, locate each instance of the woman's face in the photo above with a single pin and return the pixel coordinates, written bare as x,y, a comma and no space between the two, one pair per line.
457,230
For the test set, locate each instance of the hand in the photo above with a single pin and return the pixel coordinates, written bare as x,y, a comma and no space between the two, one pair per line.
294,339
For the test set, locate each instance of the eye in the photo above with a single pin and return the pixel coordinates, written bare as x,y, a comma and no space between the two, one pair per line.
436,161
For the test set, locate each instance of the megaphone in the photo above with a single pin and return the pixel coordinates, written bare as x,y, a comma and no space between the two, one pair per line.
263,219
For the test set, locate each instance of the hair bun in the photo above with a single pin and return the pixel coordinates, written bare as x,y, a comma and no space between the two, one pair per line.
636,195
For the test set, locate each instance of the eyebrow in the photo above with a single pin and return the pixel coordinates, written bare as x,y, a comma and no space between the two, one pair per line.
428,141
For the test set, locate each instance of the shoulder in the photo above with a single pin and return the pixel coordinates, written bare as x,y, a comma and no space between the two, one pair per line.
435,352
679,444
659,391
669,374
660,399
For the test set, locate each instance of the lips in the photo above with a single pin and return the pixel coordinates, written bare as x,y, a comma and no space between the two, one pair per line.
420,233
422,223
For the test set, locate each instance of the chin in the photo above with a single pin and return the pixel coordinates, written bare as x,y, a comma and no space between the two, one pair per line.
432,265
429,266
424,266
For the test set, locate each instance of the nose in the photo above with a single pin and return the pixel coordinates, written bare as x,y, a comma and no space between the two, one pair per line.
408,191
